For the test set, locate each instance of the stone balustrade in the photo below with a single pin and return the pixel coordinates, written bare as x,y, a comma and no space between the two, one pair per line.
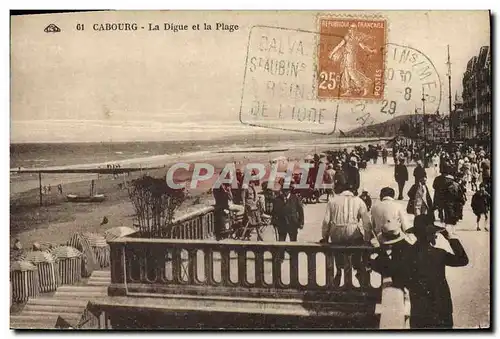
253,269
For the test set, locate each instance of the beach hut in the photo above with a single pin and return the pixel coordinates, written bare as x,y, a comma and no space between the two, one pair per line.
24,281
89,261
100,248
47,269
118,232
70,264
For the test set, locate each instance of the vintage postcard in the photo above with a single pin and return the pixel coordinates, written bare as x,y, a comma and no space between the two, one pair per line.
250,170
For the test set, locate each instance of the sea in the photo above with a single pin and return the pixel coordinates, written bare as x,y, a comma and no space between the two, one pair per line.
67,155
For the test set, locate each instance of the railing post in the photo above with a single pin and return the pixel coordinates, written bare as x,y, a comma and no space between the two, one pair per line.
117,268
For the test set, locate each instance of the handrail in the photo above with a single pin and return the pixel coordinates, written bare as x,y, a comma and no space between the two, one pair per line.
194,214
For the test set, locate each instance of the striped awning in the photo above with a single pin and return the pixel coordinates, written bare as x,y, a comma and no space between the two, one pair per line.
24,281
22,266
95,240
65,252
89,262
37,257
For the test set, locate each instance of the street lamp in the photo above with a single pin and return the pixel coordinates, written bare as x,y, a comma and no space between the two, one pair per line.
424,96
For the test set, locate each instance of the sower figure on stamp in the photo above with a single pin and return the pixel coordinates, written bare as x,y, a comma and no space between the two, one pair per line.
346,52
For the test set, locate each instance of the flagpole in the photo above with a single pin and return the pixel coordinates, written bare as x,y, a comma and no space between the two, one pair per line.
449,93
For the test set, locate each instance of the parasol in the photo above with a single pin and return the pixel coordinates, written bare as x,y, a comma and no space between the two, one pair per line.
100,248
70,264
118,232
24,281
47,269
89,261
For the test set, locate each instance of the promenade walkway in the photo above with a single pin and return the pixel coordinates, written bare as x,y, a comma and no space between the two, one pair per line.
470,285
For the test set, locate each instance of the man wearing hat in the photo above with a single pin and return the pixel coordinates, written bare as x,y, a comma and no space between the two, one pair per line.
431,303
328,179
388,215
352,174
419,171
288,214
401,176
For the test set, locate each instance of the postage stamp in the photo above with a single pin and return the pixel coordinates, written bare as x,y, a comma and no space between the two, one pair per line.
351,67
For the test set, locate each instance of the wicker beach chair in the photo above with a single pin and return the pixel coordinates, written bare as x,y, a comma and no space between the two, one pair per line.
100,248
118,232
24,281
70,264
48,271
89,261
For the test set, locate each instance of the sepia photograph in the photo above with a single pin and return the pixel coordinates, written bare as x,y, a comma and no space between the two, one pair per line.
250,170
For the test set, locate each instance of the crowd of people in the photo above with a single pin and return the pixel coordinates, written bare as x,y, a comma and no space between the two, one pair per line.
410,255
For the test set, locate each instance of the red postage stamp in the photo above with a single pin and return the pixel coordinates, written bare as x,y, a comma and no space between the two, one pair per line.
351,58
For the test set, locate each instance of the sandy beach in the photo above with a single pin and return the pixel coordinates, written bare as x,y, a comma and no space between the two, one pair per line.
58,219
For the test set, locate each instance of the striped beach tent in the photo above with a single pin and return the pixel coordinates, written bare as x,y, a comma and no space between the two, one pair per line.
47,269
118,232
70,264
24,281
89,261
100,248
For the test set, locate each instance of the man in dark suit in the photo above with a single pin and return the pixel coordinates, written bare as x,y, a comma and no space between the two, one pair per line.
352,174
288,214
401,176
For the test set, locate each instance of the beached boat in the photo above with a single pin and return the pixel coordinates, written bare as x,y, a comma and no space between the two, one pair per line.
85,198
92,197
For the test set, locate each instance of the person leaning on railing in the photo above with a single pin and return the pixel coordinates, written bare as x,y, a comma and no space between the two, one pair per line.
345,223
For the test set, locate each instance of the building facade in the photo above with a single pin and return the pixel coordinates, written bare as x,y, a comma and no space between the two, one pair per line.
475,115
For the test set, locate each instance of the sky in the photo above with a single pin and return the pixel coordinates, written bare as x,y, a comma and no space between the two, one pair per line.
91,86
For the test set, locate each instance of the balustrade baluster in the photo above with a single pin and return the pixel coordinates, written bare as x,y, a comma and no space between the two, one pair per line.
311,269
242,267
330,268
143,264
225,267
348,270
366,276
276,269
176,266
294,269
204,231
209,266
259,268
193,267
210,224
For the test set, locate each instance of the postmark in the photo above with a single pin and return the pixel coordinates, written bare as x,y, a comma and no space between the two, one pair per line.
283,76
351,67
279,85
413,86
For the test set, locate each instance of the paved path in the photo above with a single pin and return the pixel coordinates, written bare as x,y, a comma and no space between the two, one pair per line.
470,285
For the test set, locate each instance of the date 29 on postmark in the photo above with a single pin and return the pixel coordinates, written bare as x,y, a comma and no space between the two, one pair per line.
351,58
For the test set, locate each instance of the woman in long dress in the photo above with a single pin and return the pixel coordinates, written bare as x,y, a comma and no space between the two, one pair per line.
352,78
